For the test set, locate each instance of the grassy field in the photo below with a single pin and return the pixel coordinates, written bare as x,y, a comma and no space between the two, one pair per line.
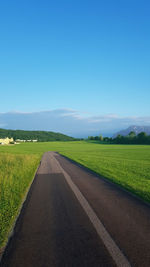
126,165
16,173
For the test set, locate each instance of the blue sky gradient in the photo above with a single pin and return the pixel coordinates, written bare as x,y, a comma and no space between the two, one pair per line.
89,56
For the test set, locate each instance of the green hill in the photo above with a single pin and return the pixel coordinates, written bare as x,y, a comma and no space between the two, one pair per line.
40,136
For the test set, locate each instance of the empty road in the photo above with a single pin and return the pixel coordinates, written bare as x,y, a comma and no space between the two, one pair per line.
73,218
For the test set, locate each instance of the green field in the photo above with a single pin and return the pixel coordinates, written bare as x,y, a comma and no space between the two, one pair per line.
16,173
126,165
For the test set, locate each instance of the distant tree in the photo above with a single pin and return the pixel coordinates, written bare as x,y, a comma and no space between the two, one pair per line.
142,135
119,139
142,138
119,136
106,139
101,137
132,134
131,138
91,137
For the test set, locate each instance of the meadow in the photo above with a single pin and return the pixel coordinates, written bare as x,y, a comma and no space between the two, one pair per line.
16,173
125,165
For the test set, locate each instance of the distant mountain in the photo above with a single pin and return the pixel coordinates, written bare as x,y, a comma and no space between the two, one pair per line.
69,122
136,129
42,136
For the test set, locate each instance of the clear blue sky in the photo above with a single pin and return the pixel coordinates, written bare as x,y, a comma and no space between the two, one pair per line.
91,56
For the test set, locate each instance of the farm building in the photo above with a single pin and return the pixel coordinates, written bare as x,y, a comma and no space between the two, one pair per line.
20,140
6,141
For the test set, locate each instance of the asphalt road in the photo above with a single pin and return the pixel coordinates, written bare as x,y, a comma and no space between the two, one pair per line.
73,218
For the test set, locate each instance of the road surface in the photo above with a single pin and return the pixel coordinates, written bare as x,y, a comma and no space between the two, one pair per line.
73,218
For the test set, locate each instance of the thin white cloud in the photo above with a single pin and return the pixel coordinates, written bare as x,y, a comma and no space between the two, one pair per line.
70,121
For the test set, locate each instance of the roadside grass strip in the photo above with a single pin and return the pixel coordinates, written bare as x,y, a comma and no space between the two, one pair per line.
16,173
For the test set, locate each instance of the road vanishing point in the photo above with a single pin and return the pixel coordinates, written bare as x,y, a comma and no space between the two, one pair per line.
73,218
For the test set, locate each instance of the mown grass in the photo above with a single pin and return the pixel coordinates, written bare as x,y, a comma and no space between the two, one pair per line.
16,173
126,165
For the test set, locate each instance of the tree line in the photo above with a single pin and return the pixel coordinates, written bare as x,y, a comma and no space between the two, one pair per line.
131,138
40,136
